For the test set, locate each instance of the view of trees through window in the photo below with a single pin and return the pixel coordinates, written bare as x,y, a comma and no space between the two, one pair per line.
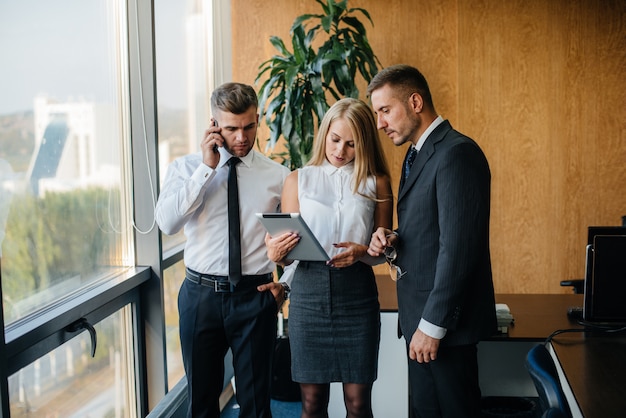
57,242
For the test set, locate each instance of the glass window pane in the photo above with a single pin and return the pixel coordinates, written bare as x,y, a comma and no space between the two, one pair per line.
181,30
172,280
68,382
62,219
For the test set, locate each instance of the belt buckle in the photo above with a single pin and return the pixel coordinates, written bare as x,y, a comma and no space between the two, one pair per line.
222,287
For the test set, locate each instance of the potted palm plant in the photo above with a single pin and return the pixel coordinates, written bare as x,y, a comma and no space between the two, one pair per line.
293,96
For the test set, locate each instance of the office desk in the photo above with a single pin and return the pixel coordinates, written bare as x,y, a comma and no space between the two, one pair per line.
501,358
592,365
387,296
537,316
593,368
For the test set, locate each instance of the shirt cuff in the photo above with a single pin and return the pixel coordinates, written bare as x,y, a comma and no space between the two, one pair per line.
432,330
202,174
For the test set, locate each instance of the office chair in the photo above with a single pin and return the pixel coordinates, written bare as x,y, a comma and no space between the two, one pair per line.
578,285
543,372
553,413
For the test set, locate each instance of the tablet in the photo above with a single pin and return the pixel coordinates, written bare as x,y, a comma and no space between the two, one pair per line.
308,249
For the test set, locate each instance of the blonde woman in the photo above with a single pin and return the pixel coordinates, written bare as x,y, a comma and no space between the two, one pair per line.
344,194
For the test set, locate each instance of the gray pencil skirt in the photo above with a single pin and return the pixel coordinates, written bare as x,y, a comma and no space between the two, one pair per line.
334,324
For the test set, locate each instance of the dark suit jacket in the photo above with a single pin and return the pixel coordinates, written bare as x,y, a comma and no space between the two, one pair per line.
443,226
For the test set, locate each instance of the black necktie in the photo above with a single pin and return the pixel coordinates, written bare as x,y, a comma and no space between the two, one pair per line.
409,161
234,237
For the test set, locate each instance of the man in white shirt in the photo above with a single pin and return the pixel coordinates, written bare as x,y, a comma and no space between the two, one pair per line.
220,306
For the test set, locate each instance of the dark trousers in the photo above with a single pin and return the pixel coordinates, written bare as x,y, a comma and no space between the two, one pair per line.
210,323
447,387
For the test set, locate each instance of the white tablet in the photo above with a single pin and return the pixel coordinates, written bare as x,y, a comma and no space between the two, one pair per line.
308,249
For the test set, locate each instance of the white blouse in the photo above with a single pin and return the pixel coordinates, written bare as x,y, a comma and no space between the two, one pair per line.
330,208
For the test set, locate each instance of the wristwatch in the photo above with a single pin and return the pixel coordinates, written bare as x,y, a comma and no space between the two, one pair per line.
287,289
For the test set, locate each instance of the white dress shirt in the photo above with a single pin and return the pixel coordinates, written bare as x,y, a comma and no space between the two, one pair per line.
194,197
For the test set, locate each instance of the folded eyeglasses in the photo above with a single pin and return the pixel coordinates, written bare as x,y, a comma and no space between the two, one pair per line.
395,272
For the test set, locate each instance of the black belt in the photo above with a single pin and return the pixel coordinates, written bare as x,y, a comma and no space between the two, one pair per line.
220,284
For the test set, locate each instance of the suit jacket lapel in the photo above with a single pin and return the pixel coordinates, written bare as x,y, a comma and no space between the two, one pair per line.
428,149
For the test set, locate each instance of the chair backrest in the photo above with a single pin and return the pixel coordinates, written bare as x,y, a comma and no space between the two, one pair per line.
553,413
542,370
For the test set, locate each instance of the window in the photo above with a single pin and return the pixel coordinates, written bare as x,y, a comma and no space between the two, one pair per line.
61,139
68,382
182,39
184,51
78,164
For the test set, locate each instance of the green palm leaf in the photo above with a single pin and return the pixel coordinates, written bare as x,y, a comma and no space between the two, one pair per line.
297,84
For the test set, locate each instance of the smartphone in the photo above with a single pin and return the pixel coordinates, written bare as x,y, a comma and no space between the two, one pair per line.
215,146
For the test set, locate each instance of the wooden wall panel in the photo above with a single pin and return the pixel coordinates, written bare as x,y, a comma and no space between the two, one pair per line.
504,111
539,85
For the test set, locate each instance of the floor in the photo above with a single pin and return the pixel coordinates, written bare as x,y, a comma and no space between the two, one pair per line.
279,409
493,407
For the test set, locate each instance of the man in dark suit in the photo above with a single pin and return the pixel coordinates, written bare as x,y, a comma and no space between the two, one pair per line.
446,300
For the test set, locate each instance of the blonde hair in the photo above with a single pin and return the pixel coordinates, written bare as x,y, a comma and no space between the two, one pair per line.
369,156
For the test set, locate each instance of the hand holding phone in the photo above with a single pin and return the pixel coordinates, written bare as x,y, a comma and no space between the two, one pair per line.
215,145
211,143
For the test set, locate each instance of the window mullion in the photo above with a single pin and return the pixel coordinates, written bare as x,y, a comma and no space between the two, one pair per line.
145,175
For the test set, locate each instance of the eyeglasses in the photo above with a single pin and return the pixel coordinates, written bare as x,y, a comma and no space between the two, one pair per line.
395,272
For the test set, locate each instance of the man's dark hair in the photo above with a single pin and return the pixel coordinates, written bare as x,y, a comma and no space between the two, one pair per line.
234,98
407,79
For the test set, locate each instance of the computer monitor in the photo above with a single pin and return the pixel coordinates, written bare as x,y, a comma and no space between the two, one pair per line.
605,277
604,230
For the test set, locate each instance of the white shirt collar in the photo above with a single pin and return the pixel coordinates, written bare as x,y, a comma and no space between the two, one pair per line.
331,169
427,132
225,156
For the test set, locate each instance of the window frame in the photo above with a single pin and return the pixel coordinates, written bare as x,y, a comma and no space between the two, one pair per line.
39,334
